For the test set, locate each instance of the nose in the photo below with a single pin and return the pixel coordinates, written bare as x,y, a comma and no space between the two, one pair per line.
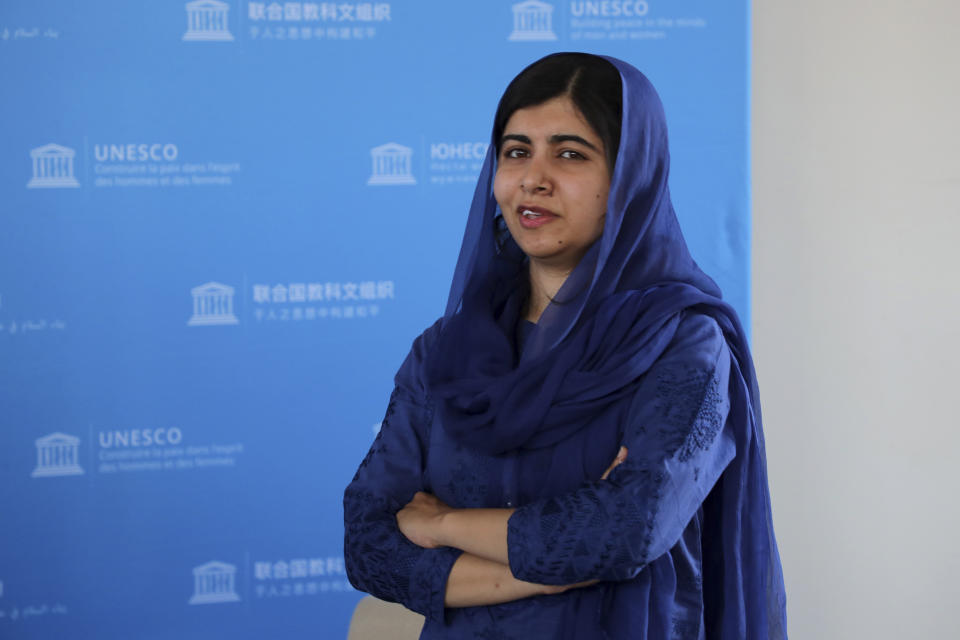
536,178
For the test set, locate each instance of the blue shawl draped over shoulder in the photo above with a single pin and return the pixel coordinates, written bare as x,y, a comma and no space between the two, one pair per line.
611,320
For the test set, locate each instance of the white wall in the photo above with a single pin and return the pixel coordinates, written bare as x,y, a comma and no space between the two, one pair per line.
856,303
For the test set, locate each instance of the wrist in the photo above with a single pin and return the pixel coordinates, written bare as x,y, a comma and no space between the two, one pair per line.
445,522
552,589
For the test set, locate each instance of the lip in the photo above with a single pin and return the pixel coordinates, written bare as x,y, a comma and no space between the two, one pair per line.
546,216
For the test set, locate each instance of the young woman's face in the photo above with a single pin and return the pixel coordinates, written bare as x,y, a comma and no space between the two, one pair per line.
552,182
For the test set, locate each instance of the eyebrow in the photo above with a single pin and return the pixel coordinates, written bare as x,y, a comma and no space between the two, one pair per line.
554,139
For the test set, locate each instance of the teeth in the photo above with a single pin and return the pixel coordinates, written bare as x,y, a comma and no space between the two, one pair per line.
530,214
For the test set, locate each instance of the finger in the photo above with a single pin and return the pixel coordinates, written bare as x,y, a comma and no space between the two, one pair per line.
430,500
609,469
621,456
415,500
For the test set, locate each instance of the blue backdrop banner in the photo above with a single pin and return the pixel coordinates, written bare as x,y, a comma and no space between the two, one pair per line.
223,224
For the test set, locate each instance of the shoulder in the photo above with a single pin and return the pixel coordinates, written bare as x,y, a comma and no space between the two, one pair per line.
423,346
697,350
412,372
698,331
424,343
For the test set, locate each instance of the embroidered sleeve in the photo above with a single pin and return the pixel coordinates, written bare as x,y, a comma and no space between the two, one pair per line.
678,445
379,558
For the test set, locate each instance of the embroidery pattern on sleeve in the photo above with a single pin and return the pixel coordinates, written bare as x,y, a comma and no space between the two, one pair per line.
688,403
378,445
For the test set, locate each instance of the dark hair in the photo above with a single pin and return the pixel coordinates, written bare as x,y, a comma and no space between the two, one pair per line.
592,83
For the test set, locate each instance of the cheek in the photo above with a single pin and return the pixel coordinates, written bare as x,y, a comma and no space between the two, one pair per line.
500,194
501,187
599,208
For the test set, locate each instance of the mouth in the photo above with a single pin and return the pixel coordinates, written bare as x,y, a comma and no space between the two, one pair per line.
532,217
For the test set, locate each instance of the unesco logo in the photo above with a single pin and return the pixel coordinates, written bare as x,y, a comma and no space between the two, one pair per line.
58,454
212,305
214,582
52,167
207,21
532,22
392,165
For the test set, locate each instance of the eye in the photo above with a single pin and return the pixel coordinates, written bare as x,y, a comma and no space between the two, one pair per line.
570,154
515,152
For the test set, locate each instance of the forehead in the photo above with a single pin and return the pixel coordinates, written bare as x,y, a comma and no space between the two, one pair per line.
557,115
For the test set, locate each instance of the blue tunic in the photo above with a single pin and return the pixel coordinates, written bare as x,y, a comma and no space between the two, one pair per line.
638,531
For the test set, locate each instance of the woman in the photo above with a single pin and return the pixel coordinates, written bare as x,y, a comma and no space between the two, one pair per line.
578,331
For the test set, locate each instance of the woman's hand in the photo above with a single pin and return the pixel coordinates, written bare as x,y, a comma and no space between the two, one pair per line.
621,456
420,520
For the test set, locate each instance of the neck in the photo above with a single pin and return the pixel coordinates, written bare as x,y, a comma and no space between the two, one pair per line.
545,282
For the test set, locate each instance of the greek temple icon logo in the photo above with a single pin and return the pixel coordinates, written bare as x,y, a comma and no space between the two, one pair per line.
532,22
214,582
52,167
207,21
58,454
392,165
212,305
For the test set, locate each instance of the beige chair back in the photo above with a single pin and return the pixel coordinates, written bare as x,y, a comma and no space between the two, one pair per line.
374,619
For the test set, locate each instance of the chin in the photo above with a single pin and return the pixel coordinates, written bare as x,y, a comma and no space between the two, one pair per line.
538,252
551,258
